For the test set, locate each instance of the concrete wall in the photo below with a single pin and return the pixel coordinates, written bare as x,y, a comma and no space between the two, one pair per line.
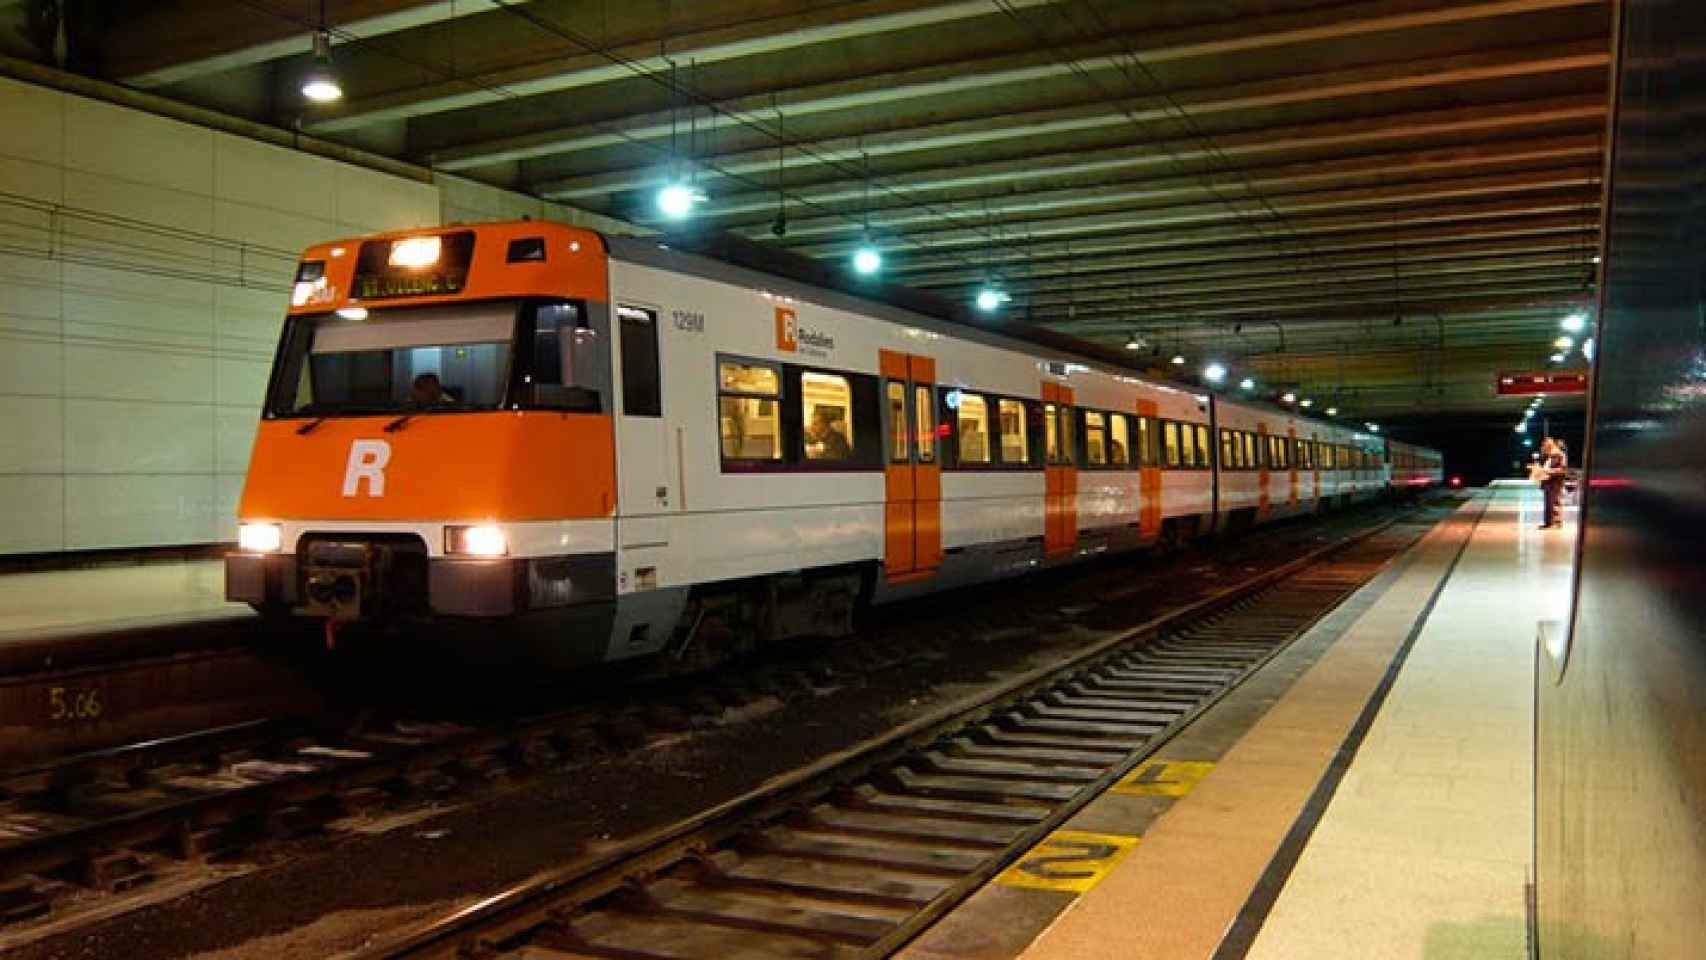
144,268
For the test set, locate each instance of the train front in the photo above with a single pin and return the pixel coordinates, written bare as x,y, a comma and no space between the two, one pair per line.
436,443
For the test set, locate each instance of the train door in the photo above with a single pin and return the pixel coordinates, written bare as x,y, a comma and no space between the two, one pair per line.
912,475
1294,462
1149,471
1060,476
646,482
1265,468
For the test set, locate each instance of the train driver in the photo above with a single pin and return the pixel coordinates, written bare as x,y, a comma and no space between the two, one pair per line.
428,392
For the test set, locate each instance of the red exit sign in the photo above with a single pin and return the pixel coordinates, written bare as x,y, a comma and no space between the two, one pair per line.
1542,381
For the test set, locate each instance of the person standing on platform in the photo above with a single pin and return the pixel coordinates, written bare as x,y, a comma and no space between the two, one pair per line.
1553,467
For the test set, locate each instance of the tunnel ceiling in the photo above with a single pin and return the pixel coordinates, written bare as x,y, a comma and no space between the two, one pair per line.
1378,204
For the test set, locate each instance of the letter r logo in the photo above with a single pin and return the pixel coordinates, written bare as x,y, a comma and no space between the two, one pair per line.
367,459
787,329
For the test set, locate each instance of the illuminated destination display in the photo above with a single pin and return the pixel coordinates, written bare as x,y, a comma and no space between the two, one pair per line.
413,266
1527,383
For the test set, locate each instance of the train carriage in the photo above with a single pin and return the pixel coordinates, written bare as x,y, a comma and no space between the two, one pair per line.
604,444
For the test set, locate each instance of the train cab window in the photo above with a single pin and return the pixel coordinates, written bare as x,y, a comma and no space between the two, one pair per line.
1119,441
1095,439
1015,445
1170,443
973,429
642,388
826,413
895,399
568,369
748,409
924,409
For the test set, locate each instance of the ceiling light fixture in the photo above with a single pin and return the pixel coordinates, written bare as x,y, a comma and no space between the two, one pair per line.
1214,372
1306,403
990,298
1332,411
1574,323
1178,360
1564,343
1288,397
867,259
1557,358
1133,342
676,200
1247,384
320,84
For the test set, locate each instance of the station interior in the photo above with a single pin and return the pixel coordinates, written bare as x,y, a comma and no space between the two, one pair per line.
944,479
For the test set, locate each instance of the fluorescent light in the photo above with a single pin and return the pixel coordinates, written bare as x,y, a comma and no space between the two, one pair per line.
1332,411
1178,360
1288,397
415,252
1214,372
1587,348
1557,358
1306,402
989,298
866,260
1564,343
1521,427
1247,384
1372,427
1574,323
259,537
1133,343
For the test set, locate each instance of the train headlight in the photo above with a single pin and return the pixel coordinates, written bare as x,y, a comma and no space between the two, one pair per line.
481,541
259,537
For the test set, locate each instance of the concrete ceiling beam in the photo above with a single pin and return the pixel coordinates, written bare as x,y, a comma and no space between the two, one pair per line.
558,70
1141,108
195,38
1302,310
1272,216
1234,38
1478,125
1568,237
1576,152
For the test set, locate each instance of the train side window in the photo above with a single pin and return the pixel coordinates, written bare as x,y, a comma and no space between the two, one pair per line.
895,400
1119,440
1250,450
826,411
973,429
1145,442
748,409
1170,443
1227,459
1015,445
570,365
1095,439
1204,445
924,409
642,386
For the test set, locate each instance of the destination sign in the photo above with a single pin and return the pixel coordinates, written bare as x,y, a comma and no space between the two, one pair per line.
435,265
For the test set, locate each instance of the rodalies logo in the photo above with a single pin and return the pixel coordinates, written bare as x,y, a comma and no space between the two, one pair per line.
793,338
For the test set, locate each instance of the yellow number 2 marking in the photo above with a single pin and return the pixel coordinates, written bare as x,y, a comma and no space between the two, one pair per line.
1070,860
1164,778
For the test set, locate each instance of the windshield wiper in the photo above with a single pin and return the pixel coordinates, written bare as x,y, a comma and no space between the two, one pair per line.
398,423
311,426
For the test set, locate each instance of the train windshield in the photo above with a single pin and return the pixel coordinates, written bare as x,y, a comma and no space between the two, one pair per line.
438,359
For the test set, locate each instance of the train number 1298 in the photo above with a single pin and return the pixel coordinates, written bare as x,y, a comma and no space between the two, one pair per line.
688,321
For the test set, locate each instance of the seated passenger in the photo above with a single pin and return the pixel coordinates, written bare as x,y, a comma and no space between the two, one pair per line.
428,392
824,439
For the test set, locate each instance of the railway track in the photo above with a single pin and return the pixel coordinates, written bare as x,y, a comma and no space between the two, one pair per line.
123,819
856,854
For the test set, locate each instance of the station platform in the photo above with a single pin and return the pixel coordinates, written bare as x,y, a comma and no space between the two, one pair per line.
38,605
1367,794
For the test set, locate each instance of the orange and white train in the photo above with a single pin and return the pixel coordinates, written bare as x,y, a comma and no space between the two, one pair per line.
615,449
